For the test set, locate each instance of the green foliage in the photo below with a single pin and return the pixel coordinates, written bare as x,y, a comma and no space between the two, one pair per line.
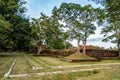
95,71
47,30
68,45
13,24
4,31
4,25
79,20
88,16
58,44
112,20
70,13
99,48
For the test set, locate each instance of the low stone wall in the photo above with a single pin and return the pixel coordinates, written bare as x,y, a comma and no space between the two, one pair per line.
55,53
102,53
92,53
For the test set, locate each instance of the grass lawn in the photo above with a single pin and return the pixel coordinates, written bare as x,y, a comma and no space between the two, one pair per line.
65,76
109,74
35,62
6,60
23,67
52,61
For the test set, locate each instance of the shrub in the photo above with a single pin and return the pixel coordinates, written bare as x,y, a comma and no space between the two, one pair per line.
95,71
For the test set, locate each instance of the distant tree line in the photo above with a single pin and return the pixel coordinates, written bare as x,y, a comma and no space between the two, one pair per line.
14,26
18,33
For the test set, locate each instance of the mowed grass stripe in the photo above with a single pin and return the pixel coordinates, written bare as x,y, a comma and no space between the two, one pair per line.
51,61
21,66
5,67
48,63
35,62
3,60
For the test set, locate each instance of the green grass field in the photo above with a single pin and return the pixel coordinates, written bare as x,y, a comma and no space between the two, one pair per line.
6,60
52,61
23,67
86,75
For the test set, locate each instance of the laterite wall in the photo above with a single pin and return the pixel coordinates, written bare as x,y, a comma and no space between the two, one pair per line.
92,53
102,53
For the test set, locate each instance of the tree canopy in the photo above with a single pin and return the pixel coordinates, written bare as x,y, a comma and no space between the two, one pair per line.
111,29
16,26
79,21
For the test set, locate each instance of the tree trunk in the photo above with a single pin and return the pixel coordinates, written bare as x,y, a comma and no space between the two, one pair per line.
0,49
30,49
119,53
34,49
11,50
39,49
65,45
78,44
119,50
84,47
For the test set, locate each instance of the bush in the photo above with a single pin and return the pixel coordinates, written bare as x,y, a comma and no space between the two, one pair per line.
95,71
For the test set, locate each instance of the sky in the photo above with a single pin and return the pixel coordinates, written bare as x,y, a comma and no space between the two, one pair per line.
35,7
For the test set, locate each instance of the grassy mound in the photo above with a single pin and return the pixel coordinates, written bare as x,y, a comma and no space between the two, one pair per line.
75,57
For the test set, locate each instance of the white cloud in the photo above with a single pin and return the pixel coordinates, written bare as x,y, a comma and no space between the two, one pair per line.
102,44
96,43
96,40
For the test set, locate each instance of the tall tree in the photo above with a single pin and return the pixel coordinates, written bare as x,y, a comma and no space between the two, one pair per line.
112,18
112,33
113,15
37,34
70,13
79,20
46,30
88,17
4,31
13,12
